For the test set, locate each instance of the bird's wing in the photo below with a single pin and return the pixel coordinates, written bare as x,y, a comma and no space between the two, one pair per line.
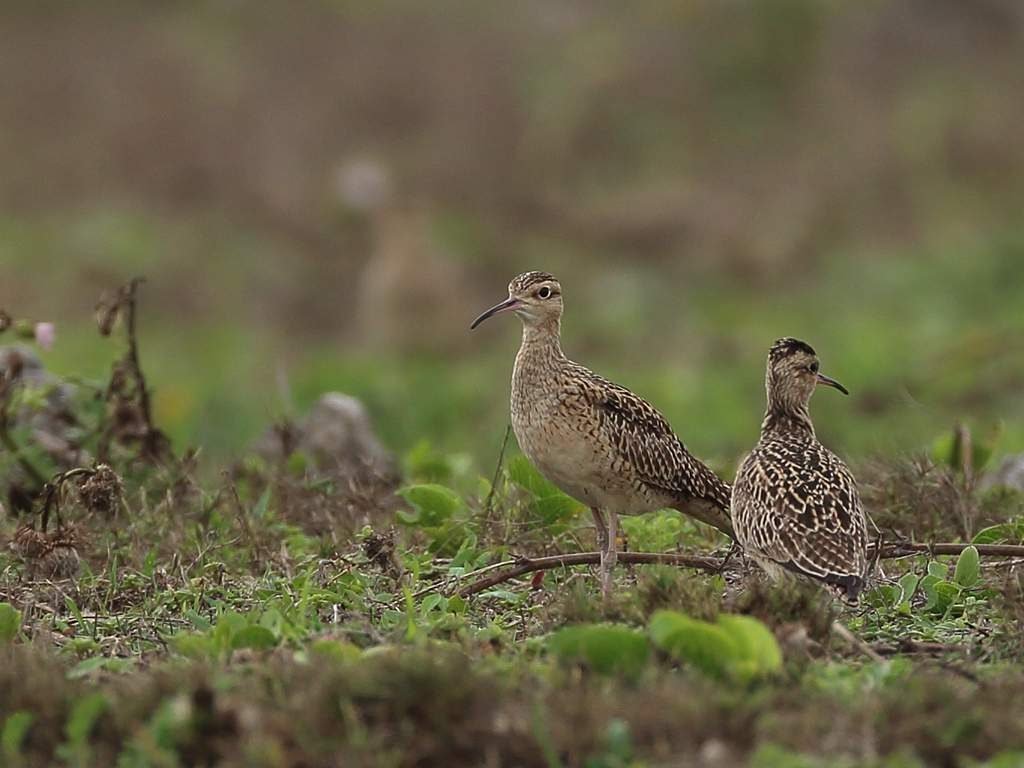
641,436
798,505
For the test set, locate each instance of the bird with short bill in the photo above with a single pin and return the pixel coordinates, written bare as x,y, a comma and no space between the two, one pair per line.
597,441
795,506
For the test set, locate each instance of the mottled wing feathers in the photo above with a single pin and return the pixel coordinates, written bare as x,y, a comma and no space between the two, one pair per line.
795,503
643,437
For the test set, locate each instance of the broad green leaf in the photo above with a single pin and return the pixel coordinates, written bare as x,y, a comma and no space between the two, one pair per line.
968,568
339,650
10,623
943,596
938,570
908,586
273,620
996,534
556,509
432,602
426,464
927,585
194,645
706,646
255,637
433,504
526,476
758,650
606,649
84,667
198,621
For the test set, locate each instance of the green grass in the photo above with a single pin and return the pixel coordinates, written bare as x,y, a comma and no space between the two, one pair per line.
319,618
297,625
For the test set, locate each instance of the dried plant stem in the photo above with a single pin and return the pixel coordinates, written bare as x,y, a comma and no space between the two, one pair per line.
133,353
896,549
854,641
489,505
243,519
526,565
52,493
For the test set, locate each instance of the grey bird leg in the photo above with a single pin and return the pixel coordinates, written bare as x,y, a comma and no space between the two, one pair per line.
612,555
602,535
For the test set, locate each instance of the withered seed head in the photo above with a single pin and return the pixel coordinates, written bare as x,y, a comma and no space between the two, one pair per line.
101,491
28,543
59,558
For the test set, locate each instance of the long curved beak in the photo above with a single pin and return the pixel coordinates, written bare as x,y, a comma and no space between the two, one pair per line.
504,306
828,382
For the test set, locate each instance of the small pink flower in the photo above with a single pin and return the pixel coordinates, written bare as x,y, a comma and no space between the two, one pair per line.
46,334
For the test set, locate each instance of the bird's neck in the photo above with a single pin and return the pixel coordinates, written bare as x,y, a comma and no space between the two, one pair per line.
787,418
541,348
543,339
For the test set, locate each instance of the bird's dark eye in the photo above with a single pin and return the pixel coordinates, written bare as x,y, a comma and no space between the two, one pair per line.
813,367
544,292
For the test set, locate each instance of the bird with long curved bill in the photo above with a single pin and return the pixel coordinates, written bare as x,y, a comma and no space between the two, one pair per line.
597,441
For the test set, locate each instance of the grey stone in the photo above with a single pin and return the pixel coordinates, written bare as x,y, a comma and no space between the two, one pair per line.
1009,474
338,438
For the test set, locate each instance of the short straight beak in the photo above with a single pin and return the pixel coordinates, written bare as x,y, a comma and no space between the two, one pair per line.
504,306
828,382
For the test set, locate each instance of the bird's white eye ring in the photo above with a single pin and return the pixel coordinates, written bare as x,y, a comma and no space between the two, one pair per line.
544,292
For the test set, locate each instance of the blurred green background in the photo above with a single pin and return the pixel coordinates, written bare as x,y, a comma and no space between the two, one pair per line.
322,195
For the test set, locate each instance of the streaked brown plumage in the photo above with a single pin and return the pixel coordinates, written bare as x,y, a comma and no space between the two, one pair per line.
795,504
594,439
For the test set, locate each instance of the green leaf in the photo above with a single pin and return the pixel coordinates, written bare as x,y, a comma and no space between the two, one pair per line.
273,620
424,463
10,623
739,647
968,568
433,504
13,734
84,667
526,476
997,534
941,596
938,570
198,621
194,645
338,650
756,645
908,586
255,637
229,623
556,509
708,647
928,586
608,649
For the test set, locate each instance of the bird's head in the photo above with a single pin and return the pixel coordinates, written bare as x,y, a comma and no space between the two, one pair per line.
535,296
793,374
